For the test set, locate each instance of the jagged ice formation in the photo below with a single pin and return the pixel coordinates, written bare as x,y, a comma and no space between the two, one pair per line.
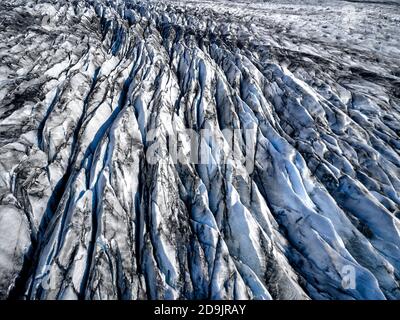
88,88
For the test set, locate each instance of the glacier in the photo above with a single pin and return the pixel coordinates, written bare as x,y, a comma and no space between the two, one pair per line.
102,108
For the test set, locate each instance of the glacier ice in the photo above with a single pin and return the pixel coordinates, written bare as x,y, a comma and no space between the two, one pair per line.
90,88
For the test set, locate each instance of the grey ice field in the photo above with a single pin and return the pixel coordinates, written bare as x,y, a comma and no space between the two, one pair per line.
293,107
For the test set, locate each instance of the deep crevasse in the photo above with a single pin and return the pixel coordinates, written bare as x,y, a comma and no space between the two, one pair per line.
84,94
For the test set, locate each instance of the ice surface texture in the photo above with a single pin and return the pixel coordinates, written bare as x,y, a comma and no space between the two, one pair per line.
84,215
